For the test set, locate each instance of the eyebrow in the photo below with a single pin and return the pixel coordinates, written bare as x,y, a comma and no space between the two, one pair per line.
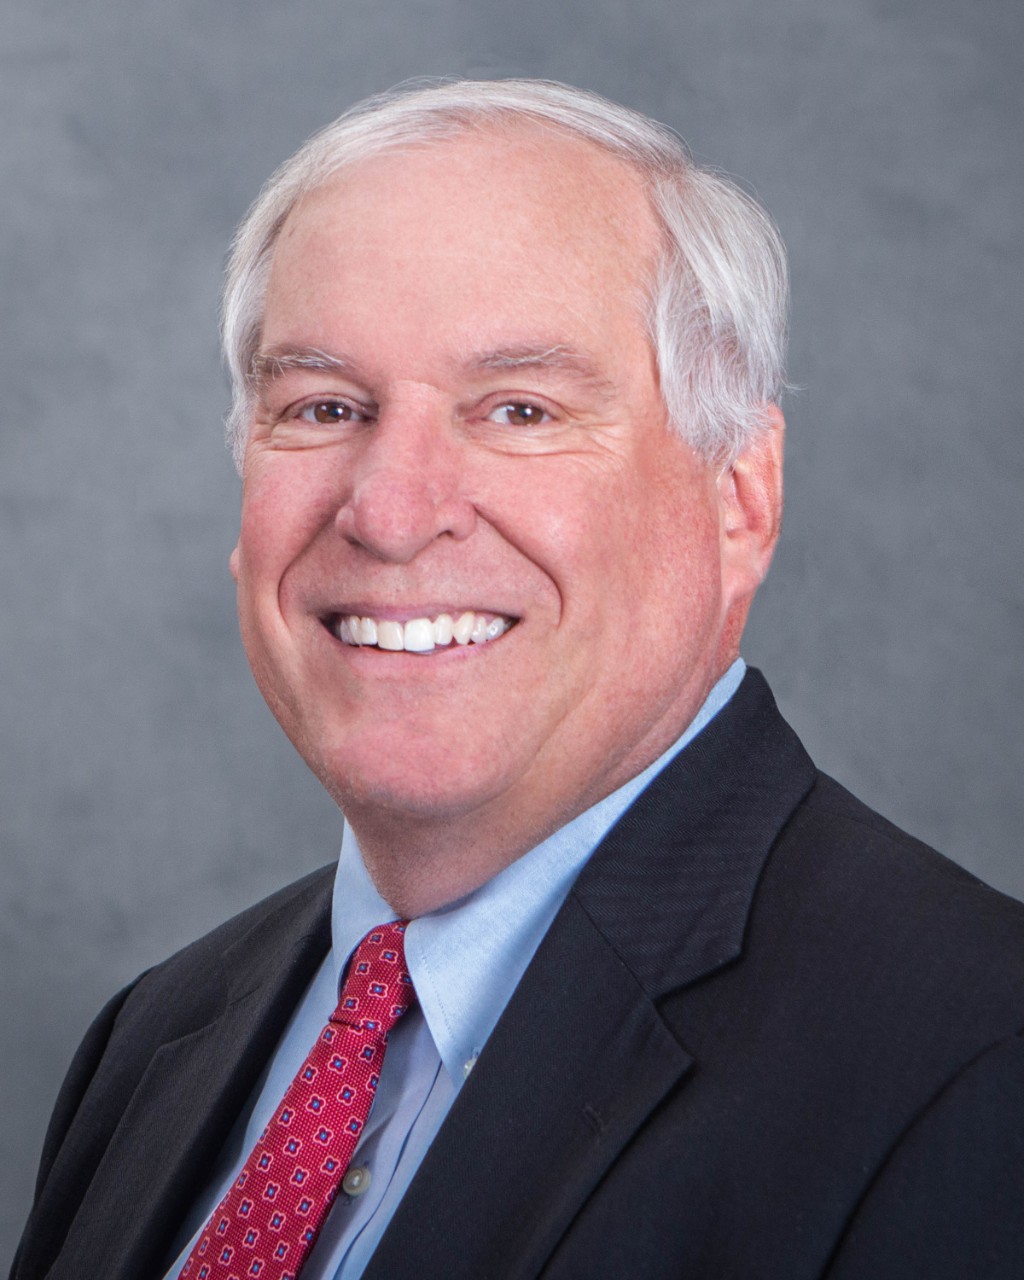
275,362
559,357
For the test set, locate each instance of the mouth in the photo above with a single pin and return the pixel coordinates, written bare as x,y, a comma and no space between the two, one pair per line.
418,635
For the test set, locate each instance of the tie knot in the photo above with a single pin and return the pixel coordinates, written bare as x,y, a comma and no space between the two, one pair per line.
377,988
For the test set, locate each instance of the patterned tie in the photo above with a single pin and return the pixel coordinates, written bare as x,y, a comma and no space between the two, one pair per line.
270,1218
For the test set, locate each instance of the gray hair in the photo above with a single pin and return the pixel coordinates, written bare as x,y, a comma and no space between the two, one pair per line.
716,310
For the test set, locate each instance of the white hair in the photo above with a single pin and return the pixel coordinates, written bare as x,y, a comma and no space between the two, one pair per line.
716,310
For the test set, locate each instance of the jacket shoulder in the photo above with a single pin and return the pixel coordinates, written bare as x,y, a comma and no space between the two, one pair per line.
879,867
891,943
301,899
257,964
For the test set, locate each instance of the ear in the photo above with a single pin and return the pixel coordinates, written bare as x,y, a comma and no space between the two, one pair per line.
750,497
233,562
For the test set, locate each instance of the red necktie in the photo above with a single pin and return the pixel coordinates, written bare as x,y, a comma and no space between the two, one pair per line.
270,1218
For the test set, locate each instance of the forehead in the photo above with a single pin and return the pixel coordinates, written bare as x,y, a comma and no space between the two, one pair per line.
527,208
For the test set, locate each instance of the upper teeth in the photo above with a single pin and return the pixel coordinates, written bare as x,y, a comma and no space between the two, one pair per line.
421,635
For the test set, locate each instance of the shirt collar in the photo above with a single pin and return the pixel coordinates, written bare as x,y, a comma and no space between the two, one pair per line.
466,959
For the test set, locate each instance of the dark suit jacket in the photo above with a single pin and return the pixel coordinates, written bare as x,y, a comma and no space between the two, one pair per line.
768,1035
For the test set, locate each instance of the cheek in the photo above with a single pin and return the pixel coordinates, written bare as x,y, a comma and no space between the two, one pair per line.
573,521
676,563
283,507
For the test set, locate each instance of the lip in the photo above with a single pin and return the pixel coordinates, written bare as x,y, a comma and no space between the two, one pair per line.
406,613
399,666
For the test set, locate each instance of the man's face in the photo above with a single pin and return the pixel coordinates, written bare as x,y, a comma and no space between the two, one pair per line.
486,437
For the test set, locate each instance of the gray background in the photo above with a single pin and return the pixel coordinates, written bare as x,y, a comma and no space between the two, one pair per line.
146,791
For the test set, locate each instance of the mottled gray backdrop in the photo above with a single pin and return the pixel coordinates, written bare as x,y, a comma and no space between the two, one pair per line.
146,792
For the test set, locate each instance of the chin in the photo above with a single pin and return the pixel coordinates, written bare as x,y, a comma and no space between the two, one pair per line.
431,786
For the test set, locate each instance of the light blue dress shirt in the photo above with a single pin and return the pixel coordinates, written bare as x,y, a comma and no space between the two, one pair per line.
465,961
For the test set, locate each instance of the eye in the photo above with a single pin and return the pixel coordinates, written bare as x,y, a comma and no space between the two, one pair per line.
519,413
329,413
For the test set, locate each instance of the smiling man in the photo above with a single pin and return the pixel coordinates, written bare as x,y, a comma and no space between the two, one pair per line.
608,979
457,427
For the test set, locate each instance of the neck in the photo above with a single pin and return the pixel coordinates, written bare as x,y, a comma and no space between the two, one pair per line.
422,862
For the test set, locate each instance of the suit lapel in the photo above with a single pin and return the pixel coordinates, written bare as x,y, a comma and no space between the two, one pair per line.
582,1056
179,1113
672,884
565,1079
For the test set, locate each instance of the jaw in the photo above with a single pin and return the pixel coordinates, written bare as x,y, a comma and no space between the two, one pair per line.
452,761
541,715
406,730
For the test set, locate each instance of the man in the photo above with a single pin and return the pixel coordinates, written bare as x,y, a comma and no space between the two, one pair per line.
505,365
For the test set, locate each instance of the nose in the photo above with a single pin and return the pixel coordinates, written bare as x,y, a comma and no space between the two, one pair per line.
406,489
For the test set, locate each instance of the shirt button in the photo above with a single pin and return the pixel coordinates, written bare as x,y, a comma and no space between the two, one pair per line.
356,1181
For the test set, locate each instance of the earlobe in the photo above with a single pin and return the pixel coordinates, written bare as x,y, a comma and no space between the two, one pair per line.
750,492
